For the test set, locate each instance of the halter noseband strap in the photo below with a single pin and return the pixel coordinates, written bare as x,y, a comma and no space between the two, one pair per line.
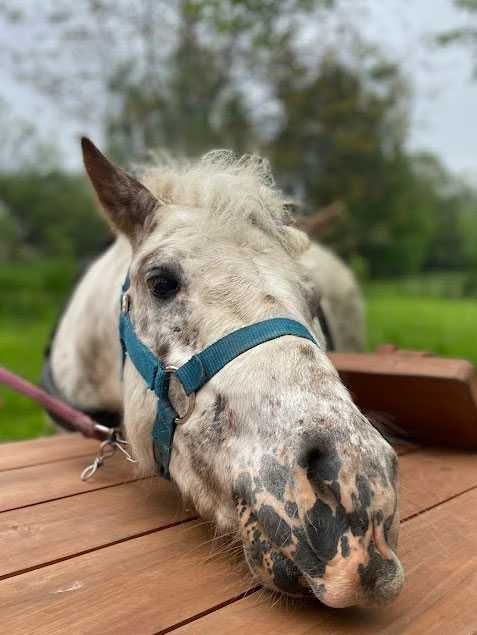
195,372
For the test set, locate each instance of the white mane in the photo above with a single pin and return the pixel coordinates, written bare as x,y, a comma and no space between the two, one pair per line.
233,192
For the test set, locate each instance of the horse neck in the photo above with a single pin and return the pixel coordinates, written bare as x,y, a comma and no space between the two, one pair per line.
85,354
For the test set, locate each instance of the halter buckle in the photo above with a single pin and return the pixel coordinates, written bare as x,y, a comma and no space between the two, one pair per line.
170,370
125,302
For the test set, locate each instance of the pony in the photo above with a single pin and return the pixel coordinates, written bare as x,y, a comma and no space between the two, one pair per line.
274,448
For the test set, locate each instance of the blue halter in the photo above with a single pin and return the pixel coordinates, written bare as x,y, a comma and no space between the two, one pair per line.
195,372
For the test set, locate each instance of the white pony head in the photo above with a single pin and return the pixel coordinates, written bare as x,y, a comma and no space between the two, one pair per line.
275,447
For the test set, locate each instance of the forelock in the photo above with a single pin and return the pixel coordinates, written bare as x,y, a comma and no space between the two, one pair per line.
232,191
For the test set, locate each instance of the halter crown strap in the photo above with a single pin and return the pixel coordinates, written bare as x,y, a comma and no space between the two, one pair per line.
197,371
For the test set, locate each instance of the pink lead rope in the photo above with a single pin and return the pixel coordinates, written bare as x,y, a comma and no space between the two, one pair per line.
111,441
78,420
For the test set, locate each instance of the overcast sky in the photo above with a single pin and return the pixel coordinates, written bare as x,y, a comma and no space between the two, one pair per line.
445,97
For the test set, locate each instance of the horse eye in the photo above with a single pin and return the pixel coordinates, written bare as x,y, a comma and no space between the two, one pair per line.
163,285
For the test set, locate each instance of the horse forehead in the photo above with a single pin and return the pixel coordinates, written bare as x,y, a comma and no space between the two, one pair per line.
166,233
182,224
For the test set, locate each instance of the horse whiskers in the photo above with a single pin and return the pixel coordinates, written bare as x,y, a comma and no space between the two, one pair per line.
231,533
261,597
192,526
254,586
213,540
226,541
247,589
189,553
224,550
276,598
233,553
222,542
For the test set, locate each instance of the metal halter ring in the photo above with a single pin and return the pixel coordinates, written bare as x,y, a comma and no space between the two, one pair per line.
170,370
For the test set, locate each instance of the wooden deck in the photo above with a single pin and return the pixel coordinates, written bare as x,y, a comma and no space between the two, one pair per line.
122,555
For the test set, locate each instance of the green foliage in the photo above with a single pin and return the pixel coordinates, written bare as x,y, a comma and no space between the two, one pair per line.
469,5
343,139
468,231
54,213
34,291
9,234
199,74
463,35
470,283
23,148
191,108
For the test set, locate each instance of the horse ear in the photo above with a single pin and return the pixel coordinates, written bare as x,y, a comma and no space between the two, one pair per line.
127,203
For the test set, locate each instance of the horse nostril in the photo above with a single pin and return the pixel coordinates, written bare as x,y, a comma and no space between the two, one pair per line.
311,462
321,464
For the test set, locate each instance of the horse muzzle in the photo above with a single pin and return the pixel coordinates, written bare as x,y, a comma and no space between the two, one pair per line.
303,537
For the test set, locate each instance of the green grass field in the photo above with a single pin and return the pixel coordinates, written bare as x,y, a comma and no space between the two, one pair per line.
31,297
444,326
417,313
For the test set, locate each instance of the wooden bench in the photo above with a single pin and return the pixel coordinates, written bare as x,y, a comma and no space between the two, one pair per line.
122,555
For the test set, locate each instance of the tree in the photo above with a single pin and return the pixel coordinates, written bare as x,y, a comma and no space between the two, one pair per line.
193,107
53,213
180,80
22,147
9,234
197,74
466,34
342,137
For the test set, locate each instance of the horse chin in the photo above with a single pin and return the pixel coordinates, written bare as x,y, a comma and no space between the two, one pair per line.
274,571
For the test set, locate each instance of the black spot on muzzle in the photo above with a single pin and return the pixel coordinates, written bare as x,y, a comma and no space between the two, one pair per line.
378,576
275,527
324,528
286,577
273,476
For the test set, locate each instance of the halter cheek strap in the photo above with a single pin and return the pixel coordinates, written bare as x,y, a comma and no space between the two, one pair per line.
195,372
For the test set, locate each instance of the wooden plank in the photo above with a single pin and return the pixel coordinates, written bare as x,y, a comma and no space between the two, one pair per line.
39,483
67,446
431,476
405,447
33,536
438,551
182,541
45,450
433,399
44,533
41,534
139,586
404,363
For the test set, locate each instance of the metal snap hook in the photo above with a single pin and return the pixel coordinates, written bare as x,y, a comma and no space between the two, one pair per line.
91,469
121,445
106,449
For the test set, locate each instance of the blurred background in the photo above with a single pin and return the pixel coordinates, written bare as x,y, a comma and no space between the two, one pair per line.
366,106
